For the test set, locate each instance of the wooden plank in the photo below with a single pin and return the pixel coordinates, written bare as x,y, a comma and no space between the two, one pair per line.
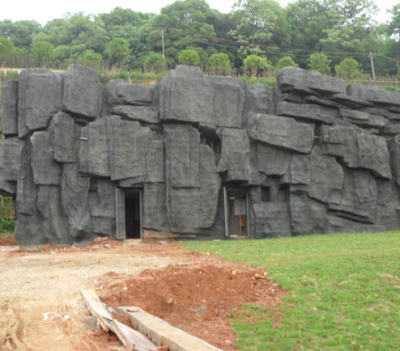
97,309
132,339
162,333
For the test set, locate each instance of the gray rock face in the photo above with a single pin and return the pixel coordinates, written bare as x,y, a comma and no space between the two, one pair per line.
137,113
45,170
308,216
259,99
128,144
186,96
182,148
273,161
120,93
102,206
308,112
295,79
40,96
155,216
83,92
311,155
94,149
54,221
229,95
209,186
363,119
27,190
63,135
359,196
358,149
10,158
235,155
323,176
75,192
374,94
9,108
282,132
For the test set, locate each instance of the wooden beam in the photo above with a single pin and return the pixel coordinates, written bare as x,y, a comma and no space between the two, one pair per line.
162,333
97,309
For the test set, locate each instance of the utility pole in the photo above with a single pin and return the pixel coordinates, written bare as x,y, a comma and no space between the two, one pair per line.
162,39
372,66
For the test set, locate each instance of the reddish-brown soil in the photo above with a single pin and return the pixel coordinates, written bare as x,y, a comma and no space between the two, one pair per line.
192,291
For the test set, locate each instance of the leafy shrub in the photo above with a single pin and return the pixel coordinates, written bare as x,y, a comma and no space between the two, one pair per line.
7,225
123,75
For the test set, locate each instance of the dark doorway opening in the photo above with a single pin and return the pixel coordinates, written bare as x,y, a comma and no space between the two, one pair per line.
132,215
236,212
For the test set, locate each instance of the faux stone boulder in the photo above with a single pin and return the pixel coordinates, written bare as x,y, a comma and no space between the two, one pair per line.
54,221
394,147
102,206
307,112
228,102
46,171
182,148
154,207
137,113
27,190
40,97
117,92
307,216
186,96
359,196
363,119
128,142
94,149
322,174
374,94
273,161
75,192
63,135
259,99
10,158
281,131
9,108
359,149
293,79
209,186
235,154
83,92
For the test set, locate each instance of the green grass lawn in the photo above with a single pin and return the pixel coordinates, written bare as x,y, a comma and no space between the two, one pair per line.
343,291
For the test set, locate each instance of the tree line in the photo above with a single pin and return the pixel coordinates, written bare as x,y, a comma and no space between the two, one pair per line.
331,36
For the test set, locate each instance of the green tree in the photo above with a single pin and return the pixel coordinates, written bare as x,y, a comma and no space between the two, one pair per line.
43,53
348,68
118,51
220,64
189,57
286,61
255,63
91,59
184,24
319,62
155,62
8,51
20,32
259,24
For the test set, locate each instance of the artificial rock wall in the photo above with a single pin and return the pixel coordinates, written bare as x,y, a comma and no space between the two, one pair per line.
315,155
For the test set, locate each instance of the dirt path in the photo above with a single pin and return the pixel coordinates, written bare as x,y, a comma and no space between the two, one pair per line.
41,307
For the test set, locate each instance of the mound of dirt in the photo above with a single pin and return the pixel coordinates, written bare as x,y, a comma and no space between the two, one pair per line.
198,299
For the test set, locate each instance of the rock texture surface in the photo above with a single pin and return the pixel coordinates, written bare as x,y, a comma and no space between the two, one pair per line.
309,156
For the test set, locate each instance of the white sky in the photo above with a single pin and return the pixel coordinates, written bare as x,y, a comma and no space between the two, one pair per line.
45,10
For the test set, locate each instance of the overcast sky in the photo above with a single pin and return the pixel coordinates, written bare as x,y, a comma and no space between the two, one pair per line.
46,10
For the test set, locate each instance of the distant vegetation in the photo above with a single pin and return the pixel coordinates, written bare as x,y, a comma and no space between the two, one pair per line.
255,39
